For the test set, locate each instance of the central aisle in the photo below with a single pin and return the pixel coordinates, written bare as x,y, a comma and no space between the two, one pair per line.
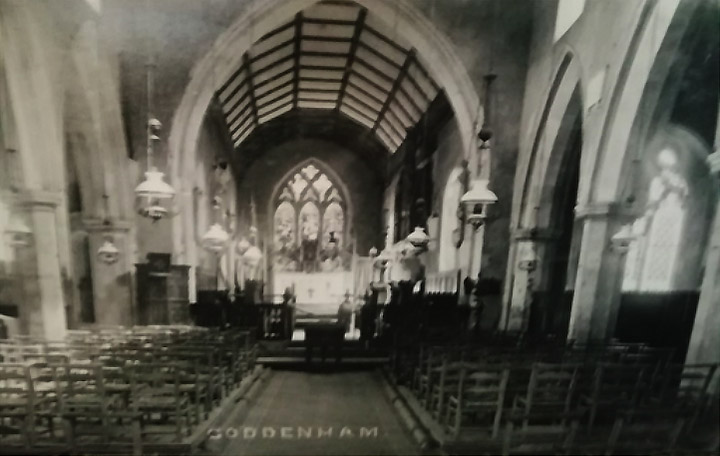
301,413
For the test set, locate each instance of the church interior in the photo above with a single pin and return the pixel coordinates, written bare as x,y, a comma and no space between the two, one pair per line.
303,227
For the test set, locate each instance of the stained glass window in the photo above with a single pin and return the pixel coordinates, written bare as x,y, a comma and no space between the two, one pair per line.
309,223
651,260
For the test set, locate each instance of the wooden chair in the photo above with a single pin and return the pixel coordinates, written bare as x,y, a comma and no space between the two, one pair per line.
549,396
444,381
614,386
196,383
84,404
17,406
683,387
156,395
646,430
480,395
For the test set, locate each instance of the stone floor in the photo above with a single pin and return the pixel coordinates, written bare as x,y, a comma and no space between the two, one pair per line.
320,413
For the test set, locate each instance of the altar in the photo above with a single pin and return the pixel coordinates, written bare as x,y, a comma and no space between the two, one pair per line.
318,293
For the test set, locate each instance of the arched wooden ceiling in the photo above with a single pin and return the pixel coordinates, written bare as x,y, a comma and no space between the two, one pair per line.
331,56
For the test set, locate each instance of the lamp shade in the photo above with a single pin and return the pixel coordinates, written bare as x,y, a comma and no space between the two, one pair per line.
623,238
418,238
476,200
242,246
383,258
108,253
153,211
253,256
154,186
215,238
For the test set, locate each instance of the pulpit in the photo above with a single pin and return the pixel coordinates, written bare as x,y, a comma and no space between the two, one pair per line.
162,292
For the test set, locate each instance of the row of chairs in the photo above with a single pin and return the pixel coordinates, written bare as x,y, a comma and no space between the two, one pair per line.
128,386
514,399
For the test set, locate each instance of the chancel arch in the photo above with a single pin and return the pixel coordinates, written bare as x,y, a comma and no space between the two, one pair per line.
261,17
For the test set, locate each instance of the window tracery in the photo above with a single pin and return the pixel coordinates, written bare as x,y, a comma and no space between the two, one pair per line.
309,224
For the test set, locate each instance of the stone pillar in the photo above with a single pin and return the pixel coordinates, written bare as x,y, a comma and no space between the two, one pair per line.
525,277
705,339
43,312
112,283
599,276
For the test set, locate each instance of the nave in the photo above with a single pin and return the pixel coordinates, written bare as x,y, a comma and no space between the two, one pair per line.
487,226
190,390
330,411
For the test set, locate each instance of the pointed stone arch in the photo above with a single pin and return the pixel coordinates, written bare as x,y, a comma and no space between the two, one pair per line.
262,16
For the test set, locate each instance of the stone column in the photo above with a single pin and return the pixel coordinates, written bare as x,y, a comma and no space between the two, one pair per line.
112,283
599,276
43,312
705,339
525,277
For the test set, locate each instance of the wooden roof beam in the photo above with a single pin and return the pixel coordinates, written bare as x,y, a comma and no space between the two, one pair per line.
296,66
359,23
251,89
396,85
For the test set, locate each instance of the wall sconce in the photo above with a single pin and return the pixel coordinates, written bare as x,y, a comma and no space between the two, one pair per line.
527,265
621,240
242,246
108,253
381,260
418,239
19,232
476,201
216,238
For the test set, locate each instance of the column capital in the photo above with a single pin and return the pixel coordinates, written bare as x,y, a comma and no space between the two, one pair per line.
41,199
605,210
596,210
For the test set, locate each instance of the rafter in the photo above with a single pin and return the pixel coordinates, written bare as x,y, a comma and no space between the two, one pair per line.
268,101
310,20
272,33
277,108
380,55
331,39
360,73
319,79
396,85
251,89
358,113
386,40
362,102
270,51
359,23
274,64
267,81
364,92
296,66
374,70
